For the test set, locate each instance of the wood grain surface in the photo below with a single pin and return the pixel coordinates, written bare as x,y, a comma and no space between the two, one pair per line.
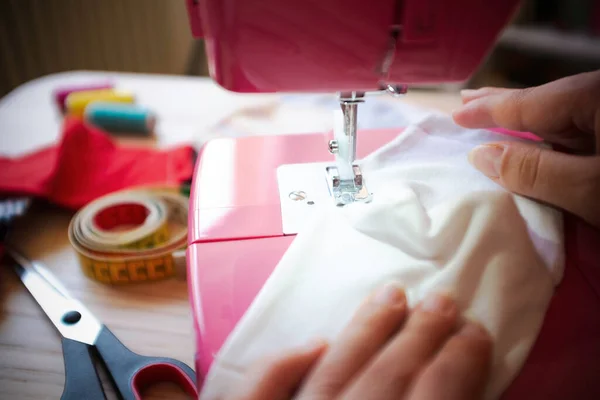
151,319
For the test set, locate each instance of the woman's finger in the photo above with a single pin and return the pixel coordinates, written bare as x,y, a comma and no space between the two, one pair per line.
564,111
460,371
279,377
566,181
372,326
392,371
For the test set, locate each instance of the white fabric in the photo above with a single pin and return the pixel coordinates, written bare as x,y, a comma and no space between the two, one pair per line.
435,224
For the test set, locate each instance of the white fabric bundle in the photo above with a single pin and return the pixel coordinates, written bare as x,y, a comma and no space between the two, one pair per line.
435,223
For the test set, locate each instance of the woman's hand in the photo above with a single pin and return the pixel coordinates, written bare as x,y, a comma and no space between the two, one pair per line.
386,352
566,113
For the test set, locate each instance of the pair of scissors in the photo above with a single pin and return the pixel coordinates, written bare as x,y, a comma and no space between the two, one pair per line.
84,337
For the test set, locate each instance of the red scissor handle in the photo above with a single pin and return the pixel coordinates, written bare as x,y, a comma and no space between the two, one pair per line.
132,372
163,372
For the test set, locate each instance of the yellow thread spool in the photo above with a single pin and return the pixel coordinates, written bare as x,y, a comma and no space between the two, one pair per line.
77,102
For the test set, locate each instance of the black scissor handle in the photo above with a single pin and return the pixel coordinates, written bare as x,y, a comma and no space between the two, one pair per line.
132,372
81,379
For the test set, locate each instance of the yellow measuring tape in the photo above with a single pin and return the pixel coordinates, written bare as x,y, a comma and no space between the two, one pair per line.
131,236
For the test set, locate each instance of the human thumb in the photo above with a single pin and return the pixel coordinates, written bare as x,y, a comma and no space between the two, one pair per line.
566,181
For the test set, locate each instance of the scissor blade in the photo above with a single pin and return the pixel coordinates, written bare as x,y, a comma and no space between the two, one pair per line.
47,275
68,315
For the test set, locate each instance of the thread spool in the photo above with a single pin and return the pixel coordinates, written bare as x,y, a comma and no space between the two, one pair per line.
78,101
61,94
120,117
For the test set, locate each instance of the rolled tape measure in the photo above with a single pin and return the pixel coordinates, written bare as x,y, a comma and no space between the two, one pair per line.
132,236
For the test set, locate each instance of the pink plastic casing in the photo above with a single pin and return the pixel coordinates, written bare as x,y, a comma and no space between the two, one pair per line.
236,240
235,232
334,45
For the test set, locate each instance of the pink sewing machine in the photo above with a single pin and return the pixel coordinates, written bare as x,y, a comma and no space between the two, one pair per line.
251,195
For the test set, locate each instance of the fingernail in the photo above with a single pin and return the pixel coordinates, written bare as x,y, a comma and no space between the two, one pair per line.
390,295
487,159
314,345
469,93
473,329
472,94
476,113
438,304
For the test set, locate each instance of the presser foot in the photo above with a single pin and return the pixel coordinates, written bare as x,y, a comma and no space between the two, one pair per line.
346,191
304,187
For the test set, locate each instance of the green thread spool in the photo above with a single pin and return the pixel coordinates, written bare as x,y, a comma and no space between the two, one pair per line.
120,117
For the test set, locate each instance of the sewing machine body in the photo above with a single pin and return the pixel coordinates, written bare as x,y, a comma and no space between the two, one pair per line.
236,230
353,47
250,195
236,239
344,45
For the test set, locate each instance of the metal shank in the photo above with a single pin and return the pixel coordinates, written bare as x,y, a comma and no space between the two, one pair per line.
347,189
350,111
343,189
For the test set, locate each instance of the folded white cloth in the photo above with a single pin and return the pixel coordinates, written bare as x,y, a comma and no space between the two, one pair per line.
435,223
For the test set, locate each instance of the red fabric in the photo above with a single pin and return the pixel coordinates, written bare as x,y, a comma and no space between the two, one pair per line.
87,164
564,363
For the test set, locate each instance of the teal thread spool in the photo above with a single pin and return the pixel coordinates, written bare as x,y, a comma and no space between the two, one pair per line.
120,117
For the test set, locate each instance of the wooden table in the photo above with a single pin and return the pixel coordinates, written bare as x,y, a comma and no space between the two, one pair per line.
151,319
